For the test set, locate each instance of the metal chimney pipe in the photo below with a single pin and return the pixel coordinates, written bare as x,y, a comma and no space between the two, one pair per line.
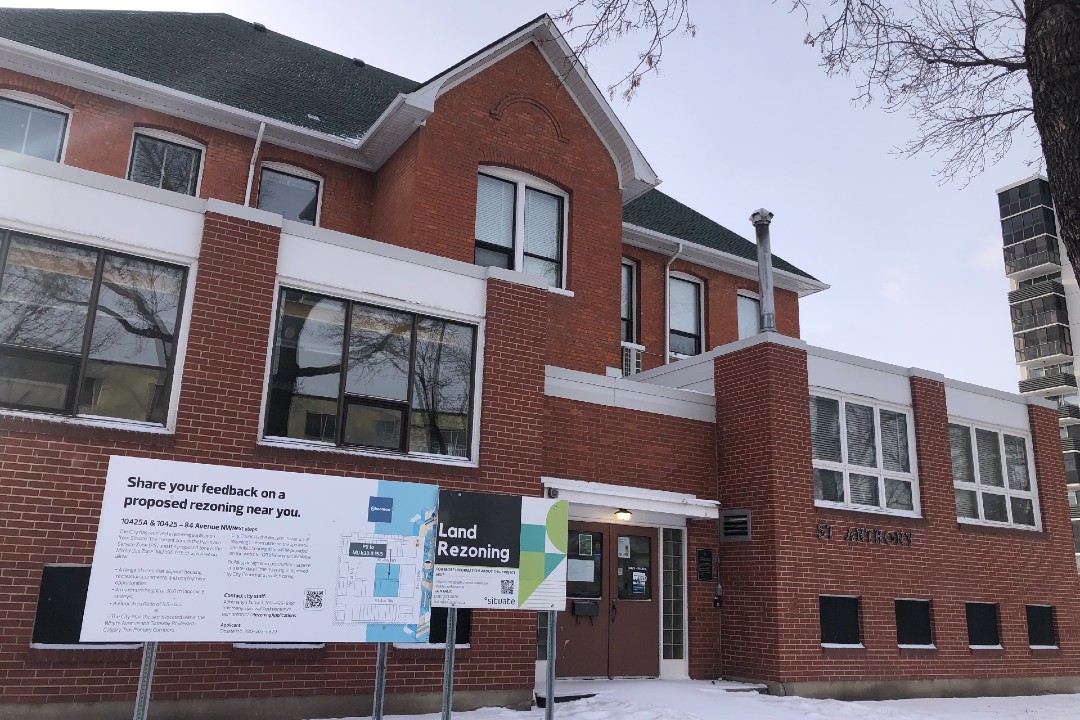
761,219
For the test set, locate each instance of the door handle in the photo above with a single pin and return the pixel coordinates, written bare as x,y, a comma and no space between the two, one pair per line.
614,610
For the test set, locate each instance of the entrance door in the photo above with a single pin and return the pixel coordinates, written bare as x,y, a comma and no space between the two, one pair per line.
611,625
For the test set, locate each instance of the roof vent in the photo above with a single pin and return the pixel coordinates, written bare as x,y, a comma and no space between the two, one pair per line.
259,27
358,62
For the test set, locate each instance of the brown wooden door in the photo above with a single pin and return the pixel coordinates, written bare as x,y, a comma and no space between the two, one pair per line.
611,625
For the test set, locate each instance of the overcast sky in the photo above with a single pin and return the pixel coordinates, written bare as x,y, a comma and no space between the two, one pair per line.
744,117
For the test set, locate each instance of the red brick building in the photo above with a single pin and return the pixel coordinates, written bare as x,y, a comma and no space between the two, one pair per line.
221,245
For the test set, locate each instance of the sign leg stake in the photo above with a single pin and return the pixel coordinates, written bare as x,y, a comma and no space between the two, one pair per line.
380,680
549,706
146,679
448,665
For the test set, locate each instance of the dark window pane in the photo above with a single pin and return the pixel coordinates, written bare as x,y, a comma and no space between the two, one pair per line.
294,198
61,601
373,425
543,225
913,622
967,504
550,271
685,344
839,620
627,312
989,458
1023,511
825,428
320,426
982,624
442,388
861,444
45,293
635,575
463,631
306,366
1040,620
894,441
585,563
1016,463
380,343
488,257
124,391
31,130
828,485
963,466
34,381
864,490
994,507
165,165
495,212
898,495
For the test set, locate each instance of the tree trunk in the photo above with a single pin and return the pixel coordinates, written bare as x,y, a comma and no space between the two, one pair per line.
1052,48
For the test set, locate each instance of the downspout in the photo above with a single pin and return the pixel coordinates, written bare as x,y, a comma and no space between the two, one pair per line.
251,167
667,312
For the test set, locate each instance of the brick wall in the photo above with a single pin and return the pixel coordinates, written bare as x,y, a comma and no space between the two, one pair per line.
762,391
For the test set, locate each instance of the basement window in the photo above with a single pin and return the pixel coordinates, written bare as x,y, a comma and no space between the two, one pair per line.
1041,627
839,616
982,626
913,627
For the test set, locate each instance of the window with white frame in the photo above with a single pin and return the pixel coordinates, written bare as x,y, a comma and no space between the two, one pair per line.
520,224
29,128
164,160
862,455
359,375
86,331
293,193
684,308
629,301
993,476
749,308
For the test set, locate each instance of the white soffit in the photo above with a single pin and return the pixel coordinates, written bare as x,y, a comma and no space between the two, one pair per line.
628,394
639,237
580,492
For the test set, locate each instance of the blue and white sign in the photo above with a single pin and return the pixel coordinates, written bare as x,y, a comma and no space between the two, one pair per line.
200,553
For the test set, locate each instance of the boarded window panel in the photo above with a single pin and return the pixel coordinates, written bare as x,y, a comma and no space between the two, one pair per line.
963,465
61,601
463,634
825,428
913,623
1040,622
1016,463
839,620
989,458
495,211
861,443
982,624
894,442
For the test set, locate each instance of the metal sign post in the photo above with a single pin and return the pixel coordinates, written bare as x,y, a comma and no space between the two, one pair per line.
549,706
448,665
146,679
380,680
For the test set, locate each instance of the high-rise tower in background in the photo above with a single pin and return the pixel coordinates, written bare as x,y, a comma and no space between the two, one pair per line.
1043,296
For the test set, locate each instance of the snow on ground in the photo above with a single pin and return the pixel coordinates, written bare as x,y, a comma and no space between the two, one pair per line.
701,700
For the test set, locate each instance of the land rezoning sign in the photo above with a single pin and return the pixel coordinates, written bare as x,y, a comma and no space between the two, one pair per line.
500,551
188,552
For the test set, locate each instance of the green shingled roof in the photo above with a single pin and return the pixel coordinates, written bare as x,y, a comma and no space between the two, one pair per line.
220,58
663,214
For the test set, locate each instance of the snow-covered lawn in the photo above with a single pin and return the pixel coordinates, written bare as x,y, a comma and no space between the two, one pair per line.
697,700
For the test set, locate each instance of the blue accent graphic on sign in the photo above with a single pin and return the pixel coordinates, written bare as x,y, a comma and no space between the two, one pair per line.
391,633
380,509
408,502
387,578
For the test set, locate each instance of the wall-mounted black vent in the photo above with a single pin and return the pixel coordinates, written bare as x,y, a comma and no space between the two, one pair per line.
734,525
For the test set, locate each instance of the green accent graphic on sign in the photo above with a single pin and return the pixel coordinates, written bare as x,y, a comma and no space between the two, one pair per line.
556,525
531,574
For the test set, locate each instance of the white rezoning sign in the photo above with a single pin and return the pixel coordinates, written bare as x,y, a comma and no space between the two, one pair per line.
500,551
189,552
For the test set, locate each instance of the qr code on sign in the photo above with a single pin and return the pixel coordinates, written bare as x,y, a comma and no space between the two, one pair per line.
507,587
313,599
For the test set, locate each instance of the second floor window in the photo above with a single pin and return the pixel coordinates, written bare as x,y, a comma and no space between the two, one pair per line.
520,224
684,298
629,302
359,375
290,192
993,477
749,316
32,130
862,456
165,164
85,331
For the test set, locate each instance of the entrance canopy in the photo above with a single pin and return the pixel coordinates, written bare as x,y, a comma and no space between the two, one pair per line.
599,501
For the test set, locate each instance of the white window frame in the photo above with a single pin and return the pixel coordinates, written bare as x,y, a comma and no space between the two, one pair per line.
286,169
675,275
522,181
751,296
1009,493
635,280
880,472
171,137
26,98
